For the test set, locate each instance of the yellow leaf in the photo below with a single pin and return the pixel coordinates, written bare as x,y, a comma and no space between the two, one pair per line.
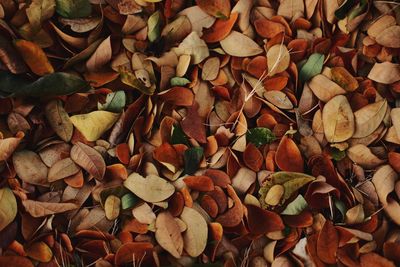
8,207
94,124
112,207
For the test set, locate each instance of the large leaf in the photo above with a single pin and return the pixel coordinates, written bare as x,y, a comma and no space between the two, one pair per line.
73,8
58,83
10,57
312,67
40,11
41,209
8,207
59,120
168,234
30,168
195,236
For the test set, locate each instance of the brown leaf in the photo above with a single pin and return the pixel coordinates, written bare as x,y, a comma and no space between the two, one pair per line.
168,234
195,236
8,145
252,157
193,125
59,120
234,215
30,168
101,56
216,8
62,169
262,221
288,156
179,96
41,209
374,260
386,72
17,261
199,183
89,159
10,57
220,29
34,57
327,243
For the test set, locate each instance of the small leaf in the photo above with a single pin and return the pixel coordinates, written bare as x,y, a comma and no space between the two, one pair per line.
194,46
8,207
34,57
73,9
128,201
239,45
30,168
40,11
260,136
192,157
101,56
216,8
10,57
178,81
337,154
130,79
59,120
312,67
112,207
58,83
39,251
94,124
154,27
115,102
278,59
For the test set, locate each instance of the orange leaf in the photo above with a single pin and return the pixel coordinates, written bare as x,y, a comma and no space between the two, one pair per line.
34,57
199,183
209,205
252,157
167,154
288,156
17,261
176,204
220,29
257,66
142,251
374,260
179,96
220,198
116,172
216,8
276,83
267,28
193,125
219,177
122,153
394,160
234,215
327,243
75,180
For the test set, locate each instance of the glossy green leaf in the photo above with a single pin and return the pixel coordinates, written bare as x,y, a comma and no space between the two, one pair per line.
73,9
312,67
192,158
54,84
296,206
115,102
128,201
178,136
8,207
260,136
178,81
154,27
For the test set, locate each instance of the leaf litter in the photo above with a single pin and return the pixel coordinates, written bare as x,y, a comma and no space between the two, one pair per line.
200,133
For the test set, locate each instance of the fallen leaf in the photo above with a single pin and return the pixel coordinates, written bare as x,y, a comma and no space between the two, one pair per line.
168,234
278,59
263,221
239,45
39,11
94,124
312,67
34,57
385,72
195,236
161,189
30,168
9,145
389,37
153,25
338,119
8,207
101,56
288,156
216,8
363,156
220,29
112,207
89,159
260,136
39,251
327,243
73,8
368,118
291,9
59,120
325,89
194,46
41,209
62,169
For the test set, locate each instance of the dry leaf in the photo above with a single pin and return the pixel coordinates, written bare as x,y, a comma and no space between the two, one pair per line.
278,59
62,169
41,209
168,234
385,72
30,168
239,45
195,236
89,159
368,118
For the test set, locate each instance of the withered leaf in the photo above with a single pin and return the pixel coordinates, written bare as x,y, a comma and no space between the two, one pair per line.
89,159
41,209
59,120
168,234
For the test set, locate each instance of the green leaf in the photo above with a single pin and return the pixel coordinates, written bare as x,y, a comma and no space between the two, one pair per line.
341,207
361,8
341,12
192,158
337,154
54,84
154,27
178,136
130,79
73,9
296,206
128,201
8,207
115,102
260,136
291,181
178,81
312,67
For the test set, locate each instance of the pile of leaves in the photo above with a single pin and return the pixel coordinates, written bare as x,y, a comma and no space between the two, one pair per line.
199,133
